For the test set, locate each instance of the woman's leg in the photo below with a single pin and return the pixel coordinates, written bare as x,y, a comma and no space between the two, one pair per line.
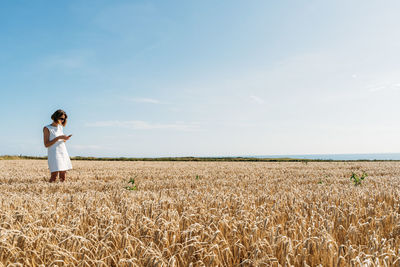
62,175
53,176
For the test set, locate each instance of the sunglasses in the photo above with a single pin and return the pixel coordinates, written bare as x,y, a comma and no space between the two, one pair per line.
63,119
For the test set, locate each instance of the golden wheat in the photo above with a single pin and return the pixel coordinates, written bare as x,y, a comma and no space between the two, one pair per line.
200,214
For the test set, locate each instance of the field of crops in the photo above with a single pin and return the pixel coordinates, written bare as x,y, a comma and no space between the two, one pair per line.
200,214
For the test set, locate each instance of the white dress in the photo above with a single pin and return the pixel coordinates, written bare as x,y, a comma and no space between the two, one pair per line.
57,154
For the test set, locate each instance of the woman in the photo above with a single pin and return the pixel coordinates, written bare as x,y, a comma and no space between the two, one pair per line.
54,139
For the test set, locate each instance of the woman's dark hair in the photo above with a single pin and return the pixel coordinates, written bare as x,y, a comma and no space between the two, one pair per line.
58,114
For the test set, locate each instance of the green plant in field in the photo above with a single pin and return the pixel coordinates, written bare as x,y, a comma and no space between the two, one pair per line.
197,177
356,179
323,180
133,186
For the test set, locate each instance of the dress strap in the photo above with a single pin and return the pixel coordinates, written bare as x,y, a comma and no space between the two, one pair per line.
49,127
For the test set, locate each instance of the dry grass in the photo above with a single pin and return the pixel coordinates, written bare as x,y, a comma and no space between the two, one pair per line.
234,214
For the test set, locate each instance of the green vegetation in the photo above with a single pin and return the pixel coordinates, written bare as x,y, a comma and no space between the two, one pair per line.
225,159
132,186
356,179
228,159
193,159
8,157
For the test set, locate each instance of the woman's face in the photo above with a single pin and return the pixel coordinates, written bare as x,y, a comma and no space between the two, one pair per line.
61,120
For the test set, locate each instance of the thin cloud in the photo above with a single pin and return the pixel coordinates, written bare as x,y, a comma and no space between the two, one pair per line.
146,100
257,99
143,125
376,88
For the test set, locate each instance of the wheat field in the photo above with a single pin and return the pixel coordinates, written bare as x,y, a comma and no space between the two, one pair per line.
200,214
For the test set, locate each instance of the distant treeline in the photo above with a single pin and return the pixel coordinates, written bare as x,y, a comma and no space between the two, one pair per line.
8,157
249,159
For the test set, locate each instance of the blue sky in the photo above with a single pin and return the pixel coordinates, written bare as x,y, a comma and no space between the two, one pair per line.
201,78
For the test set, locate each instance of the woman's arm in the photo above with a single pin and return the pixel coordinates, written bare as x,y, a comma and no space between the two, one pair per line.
46,135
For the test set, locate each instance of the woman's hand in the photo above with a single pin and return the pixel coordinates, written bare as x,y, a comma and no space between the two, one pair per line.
46,135
64,137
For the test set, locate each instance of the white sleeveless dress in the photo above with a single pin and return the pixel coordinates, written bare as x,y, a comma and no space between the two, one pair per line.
57,154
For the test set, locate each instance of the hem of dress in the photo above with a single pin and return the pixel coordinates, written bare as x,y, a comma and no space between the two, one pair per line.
61,170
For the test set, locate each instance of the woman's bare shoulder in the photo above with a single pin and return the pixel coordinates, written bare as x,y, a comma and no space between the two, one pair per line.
45,129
